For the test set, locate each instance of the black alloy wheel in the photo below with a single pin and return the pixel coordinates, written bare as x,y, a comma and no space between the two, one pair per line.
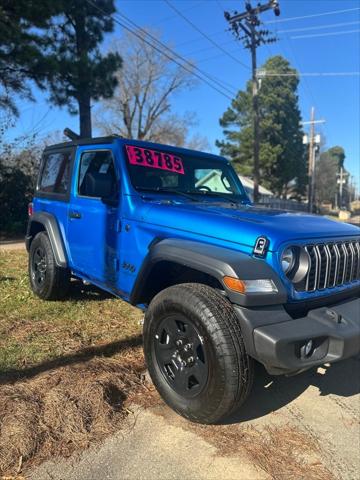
195,352
47,280
39,266
181,355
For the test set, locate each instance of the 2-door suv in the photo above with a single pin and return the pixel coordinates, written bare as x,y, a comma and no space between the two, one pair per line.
222,282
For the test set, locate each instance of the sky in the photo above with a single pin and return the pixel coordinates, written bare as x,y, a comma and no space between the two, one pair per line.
317,37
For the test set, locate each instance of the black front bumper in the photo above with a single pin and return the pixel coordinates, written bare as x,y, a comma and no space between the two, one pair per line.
277,340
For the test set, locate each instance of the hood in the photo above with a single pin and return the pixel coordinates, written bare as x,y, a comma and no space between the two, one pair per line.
244,224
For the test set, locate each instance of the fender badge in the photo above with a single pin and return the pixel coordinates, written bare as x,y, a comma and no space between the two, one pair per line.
261,245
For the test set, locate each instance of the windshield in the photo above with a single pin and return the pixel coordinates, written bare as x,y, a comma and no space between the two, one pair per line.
165,172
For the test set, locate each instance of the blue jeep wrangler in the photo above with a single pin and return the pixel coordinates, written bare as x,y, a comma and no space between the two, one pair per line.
222,283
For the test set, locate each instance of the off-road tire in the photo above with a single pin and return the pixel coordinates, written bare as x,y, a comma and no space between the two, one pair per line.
230,369
56,280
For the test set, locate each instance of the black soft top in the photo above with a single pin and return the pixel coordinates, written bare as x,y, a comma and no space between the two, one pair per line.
82,141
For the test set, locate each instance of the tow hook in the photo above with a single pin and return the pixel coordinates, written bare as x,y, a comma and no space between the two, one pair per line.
334,315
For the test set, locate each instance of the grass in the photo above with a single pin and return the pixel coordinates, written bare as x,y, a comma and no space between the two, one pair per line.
33,331
68,370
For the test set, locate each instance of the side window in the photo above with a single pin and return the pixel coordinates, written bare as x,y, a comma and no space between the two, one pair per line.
55,175
97,177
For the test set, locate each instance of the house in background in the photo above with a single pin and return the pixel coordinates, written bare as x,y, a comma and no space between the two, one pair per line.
248,184
213,180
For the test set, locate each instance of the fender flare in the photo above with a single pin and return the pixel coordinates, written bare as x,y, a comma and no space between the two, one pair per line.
216,262
50,224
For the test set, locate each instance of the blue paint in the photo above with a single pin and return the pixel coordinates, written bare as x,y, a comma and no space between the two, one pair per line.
108,244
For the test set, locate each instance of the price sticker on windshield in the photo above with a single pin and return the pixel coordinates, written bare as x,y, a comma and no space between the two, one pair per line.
147,157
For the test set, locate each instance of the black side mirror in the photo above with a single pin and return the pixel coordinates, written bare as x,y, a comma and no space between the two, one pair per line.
112,200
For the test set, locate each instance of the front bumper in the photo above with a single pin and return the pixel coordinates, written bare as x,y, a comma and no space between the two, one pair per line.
277,340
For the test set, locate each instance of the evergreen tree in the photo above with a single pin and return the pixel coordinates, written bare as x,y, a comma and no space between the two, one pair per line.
282,153
21,47
327,168
78,73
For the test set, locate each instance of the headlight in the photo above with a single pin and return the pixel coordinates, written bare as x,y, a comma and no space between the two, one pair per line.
295,263
287,259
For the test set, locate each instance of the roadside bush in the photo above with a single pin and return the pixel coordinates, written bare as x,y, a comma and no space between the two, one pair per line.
18,170
15,193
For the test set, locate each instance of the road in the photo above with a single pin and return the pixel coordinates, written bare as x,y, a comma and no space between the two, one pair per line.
12,245
307,426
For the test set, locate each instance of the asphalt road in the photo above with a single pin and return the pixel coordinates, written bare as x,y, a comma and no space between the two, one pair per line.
157,444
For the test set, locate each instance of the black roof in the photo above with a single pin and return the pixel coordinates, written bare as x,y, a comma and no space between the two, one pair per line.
83,141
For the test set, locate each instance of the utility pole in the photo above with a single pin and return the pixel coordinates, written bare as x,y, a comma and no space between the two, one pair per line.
247,23
314,142
341,181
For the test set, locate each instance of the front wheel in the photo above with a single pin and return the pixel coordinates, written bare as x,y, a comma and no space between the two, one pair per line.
195,352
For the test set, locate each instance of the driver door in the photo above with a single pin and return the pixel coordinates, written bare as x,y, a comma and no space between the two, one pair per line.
92,233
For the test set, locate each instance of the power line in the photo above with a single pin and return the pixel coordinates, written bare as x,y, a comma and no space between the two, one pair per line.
327,34
298,74
288,19
170,55
333,12
175,54
219,47
220,83
311,74
318,27
174,16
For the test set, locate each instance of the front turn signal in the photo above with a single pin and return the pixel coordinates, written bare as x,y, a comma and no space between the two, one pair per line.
235,284
262,285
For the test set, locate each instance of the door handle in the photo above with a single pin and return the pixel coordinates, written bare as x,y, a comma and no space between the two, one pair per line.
76,215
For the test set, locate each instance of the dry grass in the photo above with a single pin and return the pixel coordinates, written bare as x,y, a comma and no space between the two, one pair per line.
68,370
66,409
283,452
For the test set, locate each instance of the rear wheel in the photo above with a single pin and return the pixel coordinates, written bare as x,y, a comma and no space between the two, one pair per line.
195,352
47,280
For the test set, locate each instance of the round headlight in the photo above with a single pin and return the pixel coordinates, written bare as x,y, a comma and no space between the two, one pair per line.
287,259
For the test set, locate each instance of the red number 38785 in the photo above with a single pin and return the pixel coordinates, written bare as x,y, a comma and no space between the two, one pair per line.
153,159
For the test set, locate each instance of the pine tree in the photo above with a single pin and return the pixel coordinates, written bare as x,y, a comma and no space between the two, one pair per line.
327,169
77,71
21,47
282,154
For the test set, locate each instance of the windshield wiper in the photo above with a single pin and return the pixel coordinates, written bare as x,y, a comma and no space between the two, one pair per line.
221,197
169,190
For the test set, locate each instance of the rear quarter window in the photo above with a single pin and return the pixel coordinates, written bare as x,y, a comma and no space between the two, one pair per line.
55,173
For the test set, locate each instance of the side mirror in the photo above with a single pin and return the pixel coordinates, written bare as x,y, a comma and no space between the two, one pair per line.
102,186
112,200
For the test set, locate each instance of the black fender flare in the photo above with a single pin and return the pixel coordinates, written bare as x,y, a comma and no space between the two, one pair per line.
215,261
50,224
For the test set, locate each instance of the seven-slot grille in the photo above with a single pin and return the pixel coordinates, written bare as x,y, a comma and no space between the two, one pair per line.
332,264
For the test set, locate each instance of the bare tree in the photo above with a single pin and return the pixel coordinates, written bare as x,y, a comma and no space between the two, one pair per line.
141,105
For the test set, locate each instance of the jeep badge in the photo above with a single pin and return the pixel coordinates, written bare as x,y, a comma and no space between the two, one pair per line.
261,245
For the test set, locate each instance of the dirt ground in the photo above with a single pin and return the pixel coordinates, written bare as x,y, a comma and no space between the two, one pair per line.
306,426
